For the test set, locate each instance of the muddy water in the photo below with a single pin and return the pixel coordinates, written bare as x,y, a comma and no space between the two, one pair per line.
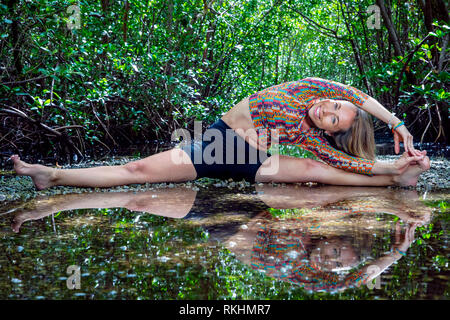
215,242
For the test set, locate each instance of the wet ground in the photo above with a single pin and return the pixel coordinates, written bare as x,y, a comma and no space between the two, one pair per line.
214,239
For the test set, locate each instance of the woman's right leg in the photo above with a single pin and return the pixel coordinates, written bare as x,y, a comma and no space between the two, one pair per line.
169,166
292,169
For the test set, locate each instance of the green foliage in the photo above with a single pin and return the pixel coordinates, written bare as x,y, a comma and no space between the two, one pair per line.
132,73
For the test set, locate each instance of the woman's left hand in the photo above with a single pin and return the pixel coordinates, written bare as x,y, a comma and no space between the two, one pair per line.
401,134
402,163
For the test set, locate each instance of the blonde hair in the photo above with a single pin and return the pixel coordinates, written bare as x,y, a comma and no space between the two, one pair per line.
359,140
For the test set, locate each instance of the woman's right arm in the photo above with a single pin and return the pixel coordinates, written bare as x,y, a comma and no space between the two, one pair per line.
401,133
334,90
374,269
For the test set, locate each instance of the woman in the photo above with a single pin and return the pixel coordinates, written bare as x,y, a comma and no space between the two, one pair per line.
295,254
297,113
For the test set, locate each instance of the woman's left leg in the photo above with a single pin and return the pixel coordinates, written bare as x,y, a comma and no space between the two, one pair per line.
292,170
173,165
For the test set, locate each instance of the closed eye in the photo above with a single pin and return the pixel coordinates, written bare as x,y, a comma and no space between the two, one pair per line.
335,120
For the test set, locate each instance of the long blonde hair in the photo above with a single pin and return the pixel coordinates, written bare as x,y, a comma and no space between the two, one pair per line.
359,140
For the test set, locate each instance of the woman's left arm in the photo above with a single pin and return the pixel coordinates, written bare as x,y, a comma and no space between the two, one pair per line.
320,147
397,167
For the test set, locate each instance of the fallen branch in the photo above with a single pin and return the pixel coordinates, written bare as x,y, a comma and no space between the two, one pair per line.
18,113
23,81
69,127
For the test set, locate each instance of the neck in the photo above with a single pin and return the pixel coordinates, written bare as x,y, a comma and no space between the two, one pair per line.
307,123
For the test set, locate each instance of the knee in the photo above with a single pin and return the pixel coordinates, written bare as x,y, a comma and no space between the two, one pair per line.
134,167
135,205
312,165
314,169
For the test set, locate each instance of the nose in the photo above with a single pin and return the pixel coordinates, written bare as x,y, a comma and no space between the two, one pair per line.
329,110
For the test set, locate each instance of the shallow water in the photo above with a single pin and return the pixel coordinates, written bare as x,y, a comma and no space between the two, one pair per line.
258,242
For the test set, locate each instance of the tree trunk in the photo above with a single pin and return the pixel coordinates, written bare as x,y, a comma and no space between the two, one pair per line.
288,63
262,71
277,60
15,34
355,49
390,27
105,5
125,20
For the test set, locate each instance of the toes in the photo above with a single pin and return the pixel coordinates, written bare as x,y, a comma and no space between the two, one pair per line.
15,226
425,163
16,159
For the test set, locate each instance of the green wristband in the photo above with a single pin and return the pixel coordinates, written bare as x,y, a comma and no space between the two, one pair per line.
401,252
401,123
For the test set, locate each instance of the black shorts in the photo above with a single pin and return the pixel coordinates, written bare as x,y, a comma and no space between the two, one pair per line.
223,154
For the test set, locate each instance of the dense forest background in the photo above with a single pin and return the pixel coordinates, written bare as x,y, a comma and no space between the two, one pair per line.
93,77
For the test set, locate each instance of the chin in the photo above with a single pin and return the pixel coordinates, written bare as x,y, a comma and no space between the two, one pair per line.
313,120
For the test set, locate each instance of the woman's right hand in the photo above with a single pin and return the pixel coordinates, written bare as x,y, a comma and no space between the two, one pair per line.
408,238
401,134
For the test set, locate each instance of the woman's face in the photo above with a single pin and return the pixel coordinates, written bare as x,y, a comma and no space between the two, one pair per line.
333,254
332,115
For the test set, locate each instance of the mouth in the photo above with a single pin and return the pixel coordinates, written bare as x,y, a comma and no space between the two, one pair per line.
317,113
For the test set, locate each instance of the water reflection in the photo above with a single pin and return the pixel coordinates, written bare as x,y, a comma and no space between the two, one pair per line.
325,247
319,238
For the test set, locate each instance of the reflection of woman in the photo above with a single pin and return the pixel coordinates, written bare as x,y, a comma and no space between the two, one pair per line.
289,249
299,250
300,113
291,254
172,203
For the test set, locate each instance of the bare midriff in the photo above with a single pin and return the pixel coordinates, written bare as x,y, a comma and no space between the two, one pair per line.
239,119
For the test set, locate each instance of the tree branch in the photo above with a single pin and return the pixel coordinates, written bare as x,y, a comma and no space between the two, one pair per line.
328,32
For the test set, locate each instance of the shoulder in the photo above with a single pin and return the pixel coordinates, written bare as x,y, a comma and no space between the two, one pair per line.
320,82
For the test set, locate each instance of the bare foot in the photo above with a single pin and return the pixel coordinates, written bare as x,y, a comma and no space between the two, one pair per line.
17,222
42,176
411,175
